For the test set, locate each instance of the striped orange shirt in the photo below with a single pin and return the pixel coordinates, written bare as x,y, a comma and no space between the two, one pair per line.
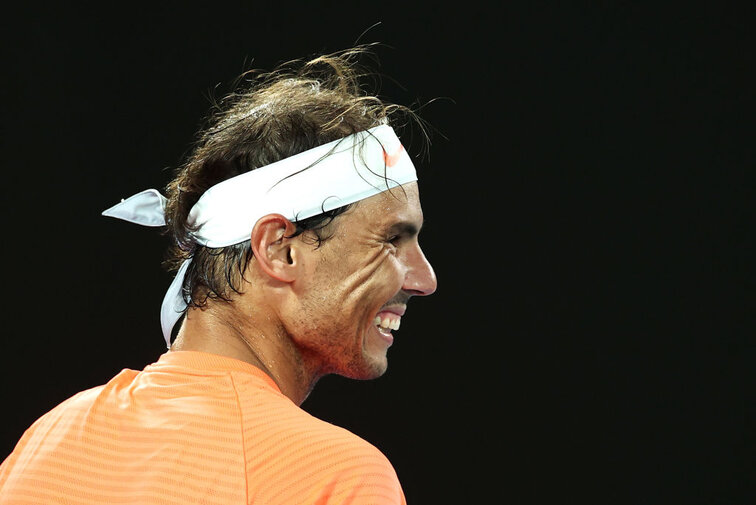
192,428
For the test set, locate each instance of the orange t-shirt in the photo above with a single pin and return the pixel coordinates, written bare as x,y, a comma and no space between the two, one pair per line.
192,428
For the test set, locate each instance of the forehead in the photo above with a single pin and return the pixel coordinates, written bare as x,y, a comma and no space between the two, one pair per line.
399,205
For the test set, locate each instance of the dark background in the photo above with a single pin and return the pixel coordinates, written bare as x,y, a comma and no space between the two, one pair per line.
588,199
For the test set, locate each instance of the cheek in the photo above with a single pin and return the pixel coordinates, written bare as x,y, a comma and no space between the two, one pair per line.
359,284
380,271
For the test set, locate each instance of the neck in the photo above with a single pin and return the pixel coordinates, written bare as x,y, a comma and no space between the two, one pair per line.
218,329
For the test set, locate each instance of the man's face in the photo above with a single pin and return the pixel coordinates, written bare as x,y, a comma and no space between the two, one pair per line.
367,270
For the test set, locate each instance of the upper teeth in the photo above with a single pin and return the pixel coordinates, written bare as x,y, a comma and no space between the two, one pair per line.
388,322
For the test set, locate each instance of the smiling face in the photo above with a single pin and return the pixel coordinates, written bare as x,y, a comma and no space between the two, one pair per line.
358,283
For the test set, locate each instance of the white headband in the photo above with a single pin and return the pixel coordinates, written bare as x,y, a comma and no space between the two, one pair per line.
304,185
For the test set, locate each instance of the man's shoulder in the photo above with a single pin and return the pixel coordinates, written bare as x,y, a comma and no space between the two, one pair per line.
305,456
66,416
84,399
270,418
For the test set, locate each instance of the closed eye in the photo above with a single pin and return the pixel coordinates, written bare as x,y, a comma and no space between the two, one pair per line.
402,229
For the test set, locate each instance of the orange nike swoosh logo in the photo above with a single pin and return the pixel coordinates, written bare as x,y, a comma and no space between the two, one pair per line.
393,158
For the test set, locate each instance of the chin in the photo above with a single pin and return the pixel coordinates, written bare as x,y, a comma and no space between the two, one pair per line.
368,368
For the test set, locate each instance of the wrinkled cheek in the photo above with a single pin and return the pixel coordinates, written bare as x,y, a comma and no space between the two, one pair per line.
378,278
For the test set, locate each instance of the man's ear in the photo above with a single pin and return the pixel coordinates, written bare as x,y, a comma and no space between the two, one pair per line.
275,253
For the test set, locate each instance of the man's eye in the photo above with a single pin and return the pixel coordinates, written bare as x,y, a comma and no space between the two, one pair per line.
394,239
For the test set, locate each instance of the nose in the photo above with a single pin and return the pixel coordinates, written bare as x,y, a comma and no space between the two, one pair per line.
420,279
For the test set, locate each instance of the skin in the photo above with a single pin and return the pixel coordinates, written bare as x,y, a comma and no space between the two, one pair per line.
308,311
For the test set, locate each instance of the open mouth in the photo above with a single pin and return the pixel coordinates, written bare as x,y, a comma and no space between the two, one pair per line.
387,321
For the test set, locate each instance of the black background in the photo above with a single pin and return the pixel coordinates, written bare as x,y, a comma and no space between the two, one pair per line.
588,198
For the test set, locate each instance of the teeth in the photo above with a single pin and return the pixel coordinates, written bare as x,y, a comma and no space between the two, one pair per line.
388,323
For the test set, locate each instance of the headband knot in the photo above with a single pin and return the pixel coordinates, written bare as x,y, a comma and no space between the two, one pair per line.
146,208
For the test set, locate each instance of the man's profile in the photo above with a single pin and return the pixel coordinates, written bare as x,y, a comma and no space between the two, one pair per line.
294,226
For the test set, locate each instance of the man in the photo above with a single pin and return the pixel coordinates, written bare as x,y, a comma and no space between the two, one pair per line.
294,226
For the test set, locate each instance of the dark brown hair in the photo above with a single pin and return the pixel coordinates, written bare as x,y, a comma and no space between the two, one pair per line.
298,106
